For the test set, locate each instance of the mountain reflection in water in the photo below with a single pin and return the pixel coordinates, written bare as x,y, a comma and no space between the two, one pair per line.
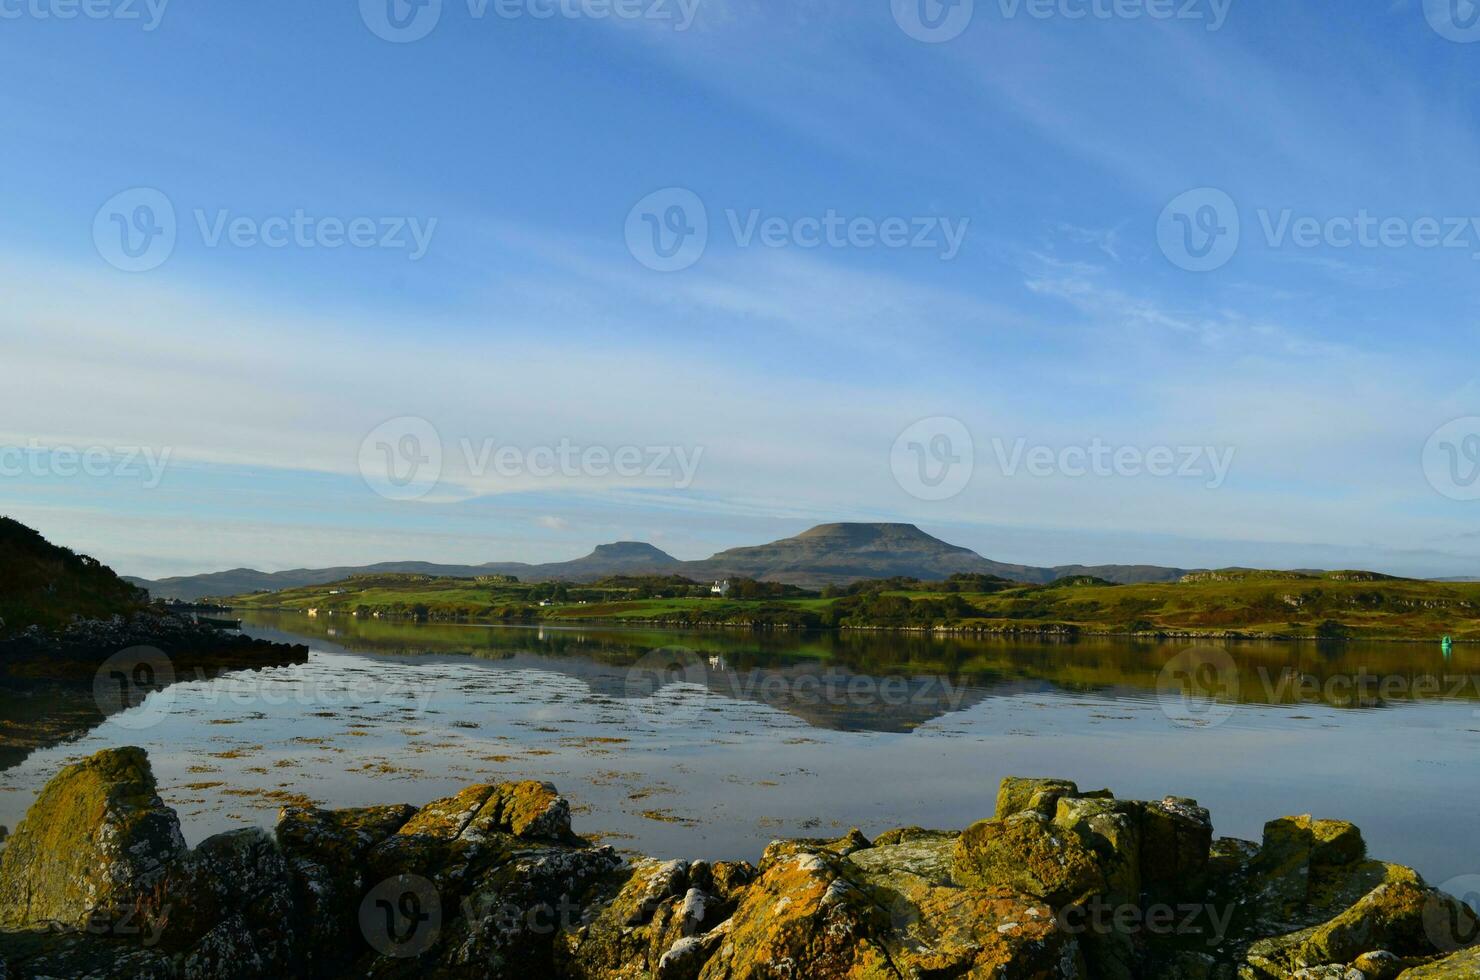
867,680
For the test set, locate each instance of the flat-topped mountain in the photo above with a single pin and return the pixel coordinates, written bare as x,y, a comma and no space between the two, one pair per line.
828,554
841,553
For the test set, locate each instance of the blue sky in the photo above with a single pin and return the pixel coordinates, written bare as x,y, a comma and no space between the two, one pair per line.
1059,149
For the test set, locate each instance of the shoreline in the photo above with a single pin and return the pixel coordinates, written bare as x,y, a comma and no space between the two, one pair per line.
1049,881
1056,631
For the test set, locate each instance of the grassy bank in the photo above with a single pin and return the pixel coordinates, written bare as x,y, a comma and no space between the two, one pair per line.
1232,602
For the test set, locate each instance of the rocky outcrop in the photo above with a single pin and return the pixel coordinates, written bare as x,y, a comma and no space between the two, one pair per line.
494,882
73,652
96,842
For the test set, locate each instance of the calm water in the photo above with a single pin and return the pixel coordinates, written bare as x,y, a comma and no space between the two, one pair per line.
687,744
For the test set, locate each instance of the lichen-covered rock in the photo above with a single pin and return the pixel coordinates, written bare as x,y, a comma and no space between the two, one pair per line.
505,920
936,927
1463,965
49,955
229,910
503,888
1379,964
651,917
325,851
1111,829
1016,794
94,846
1176,841
1027,853
1390,917
803,918
528,809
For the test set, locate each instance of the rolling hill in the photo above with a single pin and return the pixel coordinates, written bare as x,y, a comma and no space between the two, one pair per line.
42,584
828,554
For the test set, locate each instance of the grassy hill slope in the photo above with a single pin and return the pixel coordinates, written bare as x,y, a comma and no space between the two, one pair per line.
43,584
1238,601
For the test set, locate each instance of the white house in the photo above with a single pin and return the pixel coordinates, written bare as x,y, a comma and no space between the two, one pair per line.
721,588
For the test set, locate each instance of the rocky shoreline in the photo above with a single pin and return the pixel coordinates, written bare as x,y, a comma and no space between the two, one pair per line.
74,652
61,669
493,882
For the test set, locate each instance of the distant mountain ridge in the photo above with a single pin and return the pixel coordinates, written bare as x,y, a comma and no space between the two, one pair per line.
828,554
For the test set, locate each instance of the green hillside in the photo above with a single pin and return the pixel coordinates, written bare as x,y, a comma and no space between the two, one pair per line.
1248,602
42,584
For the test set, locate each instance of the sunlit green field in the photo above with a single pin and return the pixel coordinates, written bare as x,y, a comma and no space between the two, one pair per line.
1254,603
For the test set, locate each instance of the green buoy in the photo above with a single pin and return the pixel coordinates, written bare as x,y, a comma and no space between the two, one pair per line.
1448,645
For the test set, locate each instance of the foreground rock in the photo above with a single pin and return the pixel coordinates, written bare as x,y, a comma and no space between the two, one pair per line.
493,882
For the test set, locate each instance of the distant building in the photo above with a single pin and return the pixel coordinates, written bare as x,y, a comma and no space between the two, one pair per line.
721,588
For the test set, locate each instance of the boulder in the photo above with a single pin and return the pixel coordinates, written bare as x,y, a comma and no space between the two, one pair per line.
1176,842
1391,918
325,851
1029,854
494,883
1111,829
1464,965
93,848
1016,794
937,927
531,810
659,918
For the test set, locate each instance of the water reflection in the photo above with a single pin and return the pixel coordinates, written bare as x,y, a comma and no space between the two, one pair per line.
894,682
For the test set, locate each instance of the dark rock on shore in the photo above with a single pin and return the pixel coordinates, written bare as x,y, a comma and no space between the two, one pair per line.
74,652
493,882
60,669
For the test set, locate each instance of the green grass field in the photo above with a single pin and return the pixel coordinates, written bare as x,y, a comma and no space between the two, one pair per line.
1273,604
